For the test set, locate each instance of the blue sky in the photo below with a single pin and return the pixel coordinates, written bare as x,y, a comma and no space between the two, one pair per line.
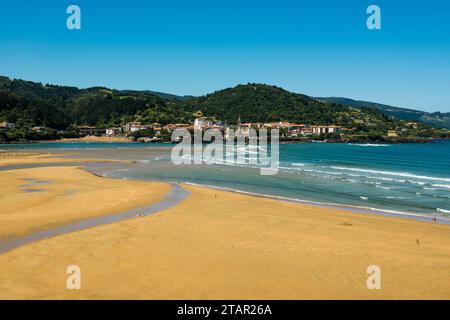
320,48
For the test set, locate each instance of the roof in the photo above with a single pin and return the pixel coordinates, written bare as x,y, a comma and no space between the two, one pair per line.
319,126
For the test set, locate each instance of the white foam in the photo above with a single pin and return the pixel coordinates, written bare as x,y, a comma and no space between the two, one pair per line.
400,198
369,145
392,173
446,186
370,209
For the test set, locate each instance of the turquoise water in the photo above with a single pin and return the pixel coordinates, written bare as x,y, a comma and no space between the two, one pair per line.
412,178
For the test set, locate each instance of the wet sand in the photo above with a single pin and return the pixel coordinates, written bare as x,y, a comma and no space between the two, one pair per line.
69,194
174,197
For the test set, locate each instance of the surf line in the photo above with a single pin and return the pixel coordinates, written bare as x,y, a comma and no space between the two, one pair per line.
176,195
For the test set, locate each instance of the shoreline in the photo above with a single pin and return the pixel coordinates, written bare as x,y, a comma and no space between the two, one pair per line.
336,206
107,139
60,160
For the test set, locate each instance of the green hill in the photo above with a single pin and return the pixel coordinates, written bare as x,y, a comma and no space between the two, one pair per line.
34,104
264,103
434,119
29,104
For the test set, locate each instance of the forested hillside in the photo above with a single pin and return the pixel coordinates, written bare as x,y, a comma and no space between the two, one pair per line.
62,108
264,103
435,119
33,104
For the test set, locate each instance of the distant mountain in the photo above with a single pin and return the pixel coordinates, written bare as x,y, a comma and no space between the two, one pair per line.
167,96
435,119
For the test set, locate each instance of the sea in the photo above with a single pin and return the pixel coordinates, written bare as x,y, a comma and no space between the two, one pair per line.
394,178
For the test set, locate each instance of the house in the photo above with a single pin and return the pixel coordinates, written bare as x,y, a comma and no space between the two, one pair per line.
7,125
202,123
277,125
414,125
284,124
133,126
178,126
270,125
91,131
325,129
296,130
392,133
307,132
244,129
157,130
39,129
113,131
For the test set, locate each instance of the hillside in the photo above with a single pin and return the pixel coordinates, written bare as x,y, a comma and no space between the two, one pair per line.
264,103
34,104
61,109
435,119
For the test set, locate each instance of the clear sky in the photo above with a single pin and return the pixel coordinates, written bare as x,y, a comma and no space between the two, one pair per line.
320,48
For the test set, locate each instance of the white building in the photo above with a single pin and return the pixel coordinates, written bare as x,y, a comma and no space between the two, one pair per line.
325,129
202,123
113,131
38,129
134,126
7,125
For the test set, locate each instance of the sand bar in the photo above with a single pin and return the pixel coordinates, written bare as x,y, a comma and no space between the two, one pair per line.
43,198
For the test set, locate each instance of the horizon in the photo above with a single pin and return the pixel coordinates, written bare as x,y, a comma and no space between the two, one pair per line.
320,50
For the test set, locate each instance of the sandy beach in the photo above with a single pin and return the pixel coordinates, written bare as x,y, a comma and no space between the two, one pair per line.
8,158
96,139
213,245
40,198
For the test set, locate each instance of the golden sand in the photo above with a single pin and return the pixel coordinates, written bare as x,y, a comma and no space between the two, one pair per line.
96,139
9,158
40,198
221,245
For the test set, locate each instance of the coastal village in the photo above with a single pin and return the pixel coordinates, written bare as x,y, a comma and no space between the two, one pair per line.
156,132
